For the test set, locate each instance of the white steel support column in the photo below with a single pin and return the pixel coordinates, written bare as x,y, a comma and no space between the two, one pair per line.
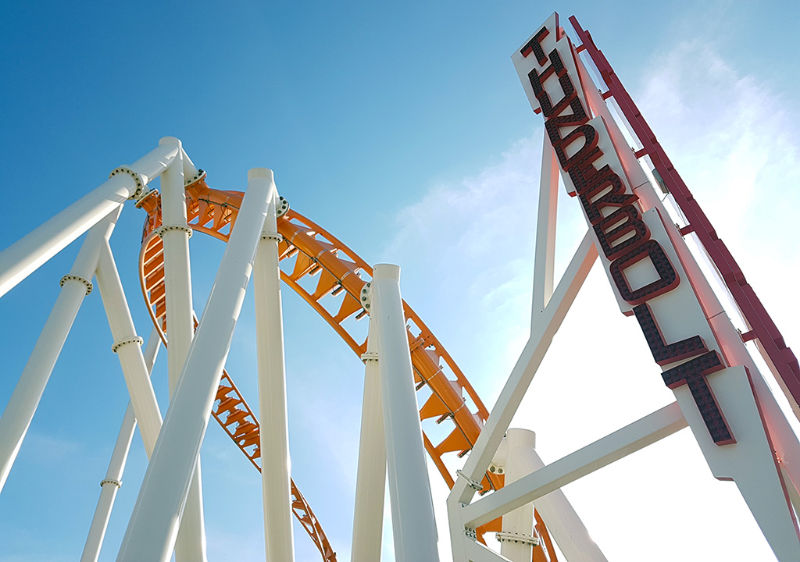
128,347
544,256
23,257
514,456
174,232
275,461
153,525
413,522
22,405
563,523
371,477
116,466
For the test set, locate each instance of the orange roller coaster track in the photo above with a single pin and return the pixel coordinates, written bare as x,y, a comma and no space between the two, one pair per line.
306,251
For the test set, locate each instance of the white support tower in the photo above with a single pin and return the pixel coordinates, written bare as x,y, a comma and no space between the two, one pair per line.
116,466
371,476
276,465
75,286
413,521
174,232
738,426
503,490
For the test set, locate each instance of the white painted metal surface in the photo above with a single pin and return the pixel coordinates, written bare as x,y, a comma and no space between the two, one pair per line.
544,255
127,345
112,481
153,526
678,310
764,461
275,460
23,257
191,542
681,310
564,525
546,325
624,441
371,476
24,400
514,458
413,522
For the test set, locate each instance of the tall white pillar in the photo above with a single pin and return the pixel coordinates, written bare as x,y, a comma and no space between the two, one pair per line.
24,256
514,456
517,456
174,232
128,347
26,396
563,523
116,466
275,461
153,525
413,522
371,476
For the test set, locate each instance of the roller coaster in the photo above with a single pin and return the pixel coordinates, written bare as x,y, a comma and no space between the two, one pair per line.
412,384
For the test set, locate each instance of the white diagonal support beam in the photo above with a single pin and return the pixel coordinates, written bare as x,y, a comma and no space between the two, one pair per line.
17,417
612,447
525,368
413,521
27,254
128,347
153,526
116,466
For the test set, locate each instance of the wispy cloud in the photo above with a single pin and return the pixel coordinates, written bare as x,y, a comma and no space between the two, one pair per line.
467,248
734,141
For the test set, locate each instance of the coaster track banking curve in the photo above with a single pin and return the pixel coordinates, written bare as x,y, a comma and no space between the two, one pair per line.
342,275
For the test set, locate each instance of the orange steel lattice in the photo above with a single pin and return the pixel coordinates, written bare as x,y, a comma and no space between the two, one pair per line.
342,274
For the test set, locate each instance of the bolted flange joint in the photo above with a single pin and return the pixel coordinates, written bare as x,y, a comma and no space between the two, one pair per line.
143,196
369,356
366,296
71,277
471,533
137,177
519,538
189,180
116,483
281,207
474,484
169,227
271,236
126,341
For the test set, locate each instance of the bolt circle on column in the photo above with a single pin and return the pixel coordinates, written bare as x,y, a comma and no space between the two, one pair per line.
71,277
126,341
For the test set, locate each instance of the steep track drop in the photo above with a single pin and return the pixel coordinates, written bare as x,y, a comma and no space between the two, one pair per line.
341,276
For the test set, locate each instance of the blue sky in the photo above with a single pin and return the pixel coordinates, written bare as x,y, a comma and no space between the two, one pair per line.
405,132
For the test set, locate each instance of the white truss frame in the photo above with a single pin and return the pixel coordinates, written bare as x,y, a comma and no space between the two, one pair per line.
765,475
764,462
168,514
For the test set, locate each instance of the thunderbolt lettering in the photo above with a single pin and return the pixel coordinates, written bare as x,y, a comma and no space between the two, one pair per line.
621,232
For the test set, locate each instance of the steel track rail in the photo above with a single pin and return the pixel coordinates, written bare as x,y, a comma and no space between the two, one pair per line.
307,251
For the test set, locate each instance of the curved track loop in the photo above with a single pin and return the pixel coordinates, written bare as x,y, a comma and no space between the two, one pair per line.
308,251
